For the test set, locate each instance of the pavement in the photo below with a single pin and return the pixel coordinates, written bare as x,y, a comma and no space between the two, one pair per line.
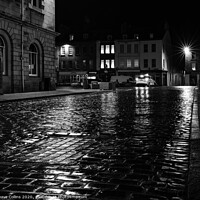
28,170
60,91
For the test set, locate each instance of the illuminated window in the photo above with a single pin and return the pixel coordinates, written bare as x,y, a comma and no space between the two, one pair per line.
112,49
136,63
102,49
62,51
112,65
102,64
107,49
2,57
193,66
107,64
33,60
70,49
128,62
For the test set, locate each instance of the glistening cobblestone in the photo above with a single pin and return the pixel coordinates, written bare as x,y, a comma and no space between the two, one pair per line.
132,144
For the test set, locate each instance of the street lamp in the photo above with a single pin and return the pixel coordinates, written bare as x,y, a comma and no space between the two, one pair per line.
188,57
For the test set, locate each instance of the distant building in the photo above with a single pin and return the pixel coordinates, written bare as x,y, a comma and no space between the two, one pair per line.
27,45
131,53
146,52
77,58
192,69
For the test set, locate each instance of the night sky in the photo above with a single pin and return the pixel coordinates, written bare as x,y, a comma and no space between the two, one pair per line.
183,18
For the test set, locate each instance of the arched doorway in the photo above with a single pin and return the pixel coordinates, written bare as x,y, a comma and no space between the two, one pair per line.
6,62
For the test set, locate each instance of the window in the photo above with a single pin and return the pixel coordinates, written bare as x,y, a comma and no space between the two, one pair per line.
145,47
193,66
2,57
112,65
33,60
112,50
136,63
153,48
136,48
145,63
70,50
121,48
63,51
153,62
102,64
128,48
77,51
102,49
107,49
128,62
38,3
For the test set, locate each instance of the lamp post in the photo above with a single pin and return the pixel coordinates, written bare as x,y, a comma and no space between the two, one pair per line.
188,57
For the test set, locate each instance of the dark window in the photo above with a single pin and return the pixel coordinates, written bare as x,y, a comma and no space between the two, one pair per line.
121,48
136,48
128,48
153,62
145,47
153,47
145,63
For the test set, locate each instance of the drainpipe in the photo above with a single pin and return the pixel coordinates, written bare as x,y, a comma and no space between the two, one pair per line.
22,45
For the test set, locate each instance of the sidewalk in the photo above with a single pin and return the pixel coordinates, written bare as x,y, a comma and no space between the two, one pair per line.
194,164
60,91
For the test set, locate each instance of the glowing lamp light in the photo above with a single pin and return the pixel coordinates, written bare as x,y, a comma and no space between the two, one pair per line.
187,51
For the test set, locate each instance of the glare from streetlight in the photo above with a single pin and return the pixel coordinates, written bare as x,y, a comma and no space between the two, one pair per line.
187,51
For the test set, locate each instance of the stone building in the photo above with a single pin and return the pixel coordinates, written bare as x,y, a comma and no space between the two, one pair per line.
27,45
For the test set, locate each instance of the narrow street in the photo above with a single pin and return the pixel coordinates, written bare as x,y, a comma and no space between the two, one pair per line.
120,145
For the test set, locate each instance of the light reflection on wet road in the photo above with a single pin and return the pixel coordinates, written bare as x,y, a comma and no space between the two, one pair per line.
132,143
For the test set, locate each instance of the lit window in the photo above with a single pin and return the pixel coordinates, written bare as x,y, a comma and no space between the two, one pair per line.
193,66
107,49
102,64
70,49
62,51
107,63
102,49
136,63
33,60
112,64
112,49
128,62
2,56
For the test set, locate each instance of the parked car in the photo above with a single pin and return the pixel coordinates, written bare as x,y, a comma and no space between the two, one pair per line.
122,80
145,80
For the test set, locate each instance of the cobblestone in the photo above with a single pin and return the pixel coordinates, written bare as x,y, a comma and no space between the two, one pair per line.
136,156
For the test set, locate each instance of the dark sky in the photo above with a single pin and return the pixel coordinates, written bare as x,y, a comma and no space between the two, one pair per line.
183,17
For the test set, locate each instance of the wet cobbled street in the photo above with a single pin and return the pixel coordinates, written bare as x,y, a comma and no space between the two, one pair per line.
128,144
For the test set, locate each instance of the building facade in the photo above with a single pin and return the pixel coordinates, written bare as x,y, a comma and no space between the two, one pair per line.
145,54
77,58
27,45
